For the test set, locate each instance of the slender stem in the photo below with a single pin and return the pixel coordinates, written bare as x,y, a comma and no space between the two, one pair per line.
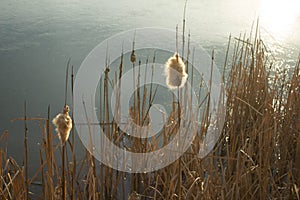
183,30
177,39
179,159
73,142
63,182
66,87
26,151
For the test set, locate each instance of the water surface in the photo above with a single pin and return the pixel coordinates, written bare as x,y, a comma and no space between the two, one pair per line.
38,37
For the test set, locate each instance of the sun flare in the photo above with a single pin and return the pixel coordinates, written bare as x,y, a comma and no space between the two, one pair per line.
279,16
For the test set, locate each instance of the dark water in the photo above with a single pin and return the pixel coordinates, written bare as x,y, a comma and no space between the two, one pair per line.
38,37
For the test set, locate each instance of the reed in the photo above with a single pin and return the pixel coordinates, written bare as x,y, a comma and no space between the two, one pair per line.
256,157
26,151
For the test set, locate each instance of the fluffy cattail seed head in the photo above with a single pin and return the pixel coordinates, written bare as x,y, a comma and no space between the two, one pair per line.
63,123
175,72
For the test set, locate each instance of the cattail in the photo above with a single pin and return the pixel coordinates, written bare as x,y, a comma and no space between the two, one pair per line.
63,123
175,72
132,57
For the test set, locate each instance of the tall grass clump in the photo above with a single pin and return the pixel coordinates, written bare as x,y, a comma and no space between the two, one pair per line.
256,157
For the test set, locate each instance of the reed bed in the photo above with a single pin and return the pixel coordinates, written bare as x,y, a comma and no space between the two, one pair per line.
256,157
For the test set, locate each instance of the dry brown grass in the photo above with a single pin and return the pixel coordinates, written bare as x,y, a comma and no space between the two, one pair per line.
256,157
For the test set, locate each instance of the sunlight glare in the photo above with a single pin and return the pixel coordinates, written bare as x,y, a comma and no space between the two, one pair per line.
279,16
